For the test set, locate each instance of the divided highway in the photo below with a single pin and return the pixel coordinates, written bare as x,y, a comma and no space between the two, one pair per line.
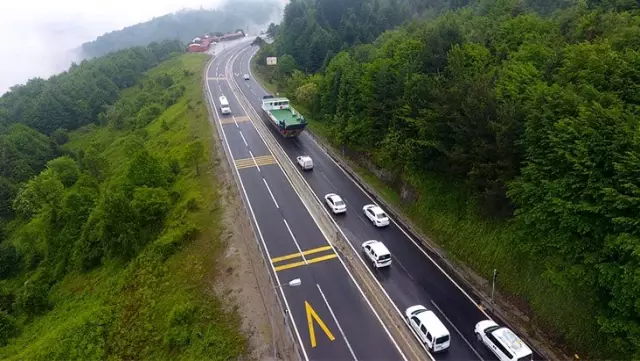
414,277
331,317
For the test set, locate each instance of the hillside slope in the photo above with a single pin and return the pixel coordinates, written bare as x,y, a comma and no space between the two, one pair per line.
186,24
115,246
507,131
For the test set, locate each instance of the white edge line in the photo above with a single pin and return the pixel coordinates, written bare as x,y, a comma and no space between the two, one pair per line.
458,331
338,254
264,245
337,323
295,241
396,224
269,189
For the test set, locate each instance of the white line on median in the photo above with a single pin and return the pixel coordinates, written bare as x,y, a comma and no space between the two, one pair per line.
337,323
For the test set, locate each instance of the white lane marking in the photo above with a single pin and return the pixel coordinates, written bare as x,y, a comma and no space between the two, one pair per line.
255,220
337,323
244,140
360,257
254,161
328,237
295,241
272,197
397,225
458,331
235,121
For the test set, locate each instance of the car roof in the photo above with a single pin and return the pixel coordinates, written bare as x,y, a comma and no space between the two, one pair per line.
379,248
512,341
376,209
335,197
433,323
305,157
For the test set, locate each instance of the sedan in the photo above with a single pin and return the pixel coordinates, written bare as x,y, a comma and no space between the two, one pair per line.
336,203
376,215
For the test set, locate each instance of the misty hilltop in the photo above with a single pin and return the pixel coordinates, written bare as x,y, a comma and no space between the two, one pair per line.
249,15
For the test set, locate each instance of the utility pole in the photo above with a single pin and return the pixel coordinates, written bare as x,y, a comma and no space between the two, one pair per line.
493,283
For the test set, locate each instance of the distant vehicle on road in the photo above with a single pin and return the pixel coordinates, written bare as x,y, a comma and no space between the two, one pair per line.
224,105
282,116
428,327
377,253
246,77
505,344
336,203
376,215
305,162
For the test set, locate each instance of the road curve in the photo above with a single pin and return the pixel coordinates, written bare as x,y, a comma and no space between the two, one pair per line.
331,318
415,276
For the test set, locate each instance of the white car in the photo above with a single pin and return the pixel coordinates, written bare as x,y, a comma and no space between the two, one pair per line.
246,77
336,203
428,327
305,162
505,344
376,215
377,253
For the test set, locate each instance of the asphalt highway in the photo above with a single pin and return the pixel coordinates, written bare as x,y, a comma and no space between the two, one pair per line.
415,277
331,318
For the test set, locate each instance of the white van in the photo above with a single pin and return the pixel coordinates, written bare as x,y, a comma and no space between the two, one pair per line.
428,328
224,105
505,344
305,162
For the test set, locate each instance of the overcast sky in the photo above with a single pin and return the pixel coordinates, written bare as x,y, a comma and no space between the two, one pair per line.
37,34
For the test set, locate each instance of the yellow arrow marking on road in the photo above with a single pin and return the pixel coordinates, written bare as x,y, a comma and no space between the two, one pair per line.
312,315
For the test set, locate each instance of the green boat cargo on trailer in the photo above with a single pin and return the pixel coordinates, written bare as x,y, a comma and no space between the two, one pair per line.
281,115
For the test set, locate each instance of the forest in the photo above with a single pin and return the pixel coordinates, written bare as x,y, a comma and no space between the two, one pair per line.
185,25
110,217
513,122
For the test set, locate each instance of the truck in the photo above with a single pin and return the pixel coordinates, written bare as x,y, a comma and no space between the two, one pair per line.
280,114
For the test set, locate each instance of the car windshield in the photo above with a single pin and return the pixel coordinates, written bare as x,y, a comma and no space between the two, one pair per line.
381,215
338,202
442,339
385,257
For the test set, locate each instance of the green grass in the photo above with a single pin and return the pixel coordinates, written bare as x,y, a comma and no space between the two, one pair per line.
159,306
445,213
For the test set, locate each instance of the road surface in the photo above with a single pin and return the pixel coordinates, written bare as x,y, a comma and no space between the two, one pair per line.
331,318
415,276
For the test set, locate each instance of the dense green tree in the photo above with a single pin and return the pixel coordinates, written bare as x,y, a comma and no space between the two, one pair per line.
194,154
532,106
65,168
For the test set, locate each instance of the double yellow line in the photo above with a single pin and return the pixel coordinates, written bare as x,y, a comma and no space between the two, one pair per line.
249,162
300,255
